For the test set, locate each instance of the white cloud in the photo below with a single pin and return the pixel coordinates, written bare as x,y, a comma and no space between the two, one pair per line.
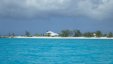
100,10
30,8
47,4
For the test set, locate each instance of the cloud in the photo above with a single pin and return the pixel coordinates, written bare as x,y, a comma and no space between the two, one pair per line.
98,9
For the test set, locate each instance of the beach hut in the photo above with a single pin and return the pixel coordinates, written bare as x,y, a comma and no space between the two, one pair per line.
51,34
94,34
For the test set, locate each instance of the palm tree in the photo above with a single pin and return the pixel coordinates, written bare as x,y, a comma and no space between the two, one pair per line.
77,33
98,34
27,34
13,34
66,33
88,34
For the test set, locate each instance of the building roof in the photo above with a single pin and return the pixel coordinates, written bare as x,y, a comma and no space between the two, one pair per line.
52,33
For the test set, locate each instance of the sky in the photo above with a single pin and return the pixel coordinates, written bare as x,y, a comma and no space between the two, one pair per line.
39,16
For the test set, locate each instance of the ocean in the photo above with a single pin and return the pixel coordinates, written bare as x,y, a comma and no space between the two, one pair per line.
56,51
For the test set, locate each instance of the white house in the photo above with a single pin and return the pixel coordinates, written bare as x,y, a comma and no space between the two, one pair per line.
94,34
51,34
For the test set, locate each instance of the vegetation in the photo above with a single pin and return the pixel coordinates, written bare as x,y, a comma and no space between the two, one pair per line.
98,34
77,33
28,34
11,35
88,34
48,35
110,34
37,34
66,33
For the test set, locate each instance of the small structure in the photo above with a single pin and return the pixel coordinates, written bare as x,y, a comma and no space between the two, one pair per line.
94,34
51,34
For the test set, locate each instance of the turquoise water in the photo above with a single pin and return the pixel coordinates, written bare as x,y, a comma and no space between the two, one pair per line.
56,51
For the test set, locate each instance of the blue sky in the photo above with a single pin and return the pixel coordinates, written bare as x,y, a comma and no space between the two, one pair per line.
39,16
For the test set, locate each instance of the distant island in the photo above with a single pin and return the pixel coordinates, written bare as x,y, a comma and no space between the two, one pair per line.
62,34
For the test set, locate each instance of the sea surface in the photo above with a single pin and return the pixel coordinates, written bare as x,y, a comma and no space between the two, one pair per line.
56,51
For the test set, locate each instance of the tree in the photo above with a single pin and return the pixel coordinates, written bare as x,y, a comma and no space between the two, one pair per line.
48,34
66,33
110,34
13,34
88,34
98,34
104,35
27,34
77,33
9,34
37,34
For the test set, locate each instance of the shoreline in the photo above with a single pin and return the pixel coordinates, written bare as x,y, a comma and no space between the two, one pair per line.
65,37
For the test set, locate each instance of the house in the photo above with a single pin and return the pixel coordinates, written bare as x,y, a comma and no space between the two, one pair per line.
94,34
51,34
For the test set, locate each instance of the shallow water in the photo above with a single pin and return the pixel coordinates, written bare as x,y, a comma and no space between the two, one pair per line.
56,51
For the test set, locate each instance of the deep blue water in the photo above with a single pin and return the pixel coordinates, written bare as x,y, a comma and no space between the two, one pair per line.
56,51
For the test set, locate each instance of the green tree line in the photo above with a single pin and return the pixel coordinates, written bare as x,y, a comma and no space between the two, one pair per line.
69,33
78,33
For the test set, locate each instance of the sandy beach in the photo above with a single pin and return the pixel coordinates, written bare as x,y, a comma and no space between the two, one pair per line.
65,37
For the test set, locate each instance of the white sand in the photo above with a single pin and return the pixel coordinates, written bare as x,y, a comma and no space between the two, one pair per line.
65,37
